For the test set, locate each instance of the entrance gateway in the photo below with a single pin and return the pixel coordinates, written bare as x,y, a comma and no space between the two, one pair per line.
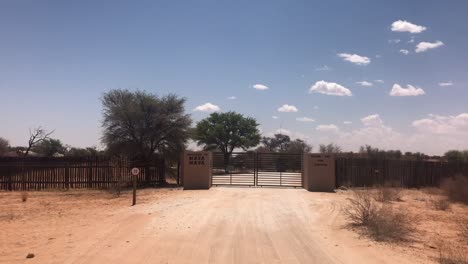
313,172
258,169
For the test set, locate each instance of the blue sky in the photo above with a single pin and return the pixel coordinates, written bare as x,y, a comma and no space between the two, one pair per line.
58,57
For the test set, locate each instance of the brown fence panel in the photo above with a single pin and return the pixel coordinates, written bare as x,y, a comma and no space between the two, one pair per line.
36,173
361,172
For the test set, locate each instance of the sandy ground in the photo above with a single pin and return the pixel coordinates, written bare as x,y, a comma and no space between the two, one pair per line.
221,225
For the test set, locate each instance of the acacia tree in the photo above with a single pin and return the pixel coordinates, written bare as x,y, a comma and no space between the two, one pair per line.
49,147
139,124
330,148
283,143
226,132
4,146
36,136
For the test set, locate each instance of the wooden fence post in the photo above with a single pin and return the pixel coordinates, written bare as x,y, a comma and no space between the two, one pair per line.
67,175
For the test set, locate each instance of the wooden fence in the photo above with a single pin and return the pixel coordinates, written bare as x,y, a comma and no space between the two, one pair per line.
36,173
406,173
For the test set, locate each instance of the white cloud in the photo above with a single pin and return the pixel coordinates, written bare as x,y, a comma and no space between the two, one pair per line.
394,41
232,98
372,120
405,26
449,83
411,40
305,119
404,51
208,107
354,58
288,108
316,107
274,117
259,86
323,68
448,125
328,128
378,56
397,90
330,88
347,122
379,81
365,83
424,46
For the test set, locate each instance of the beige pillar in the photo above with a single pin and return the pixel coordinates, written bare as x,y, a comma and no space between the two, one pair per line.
196,170
319,172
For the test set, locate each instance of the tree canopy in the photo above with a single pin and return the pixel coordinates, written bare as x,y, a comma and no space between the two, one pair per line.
139,124
49,147
226,132
283,143
330,148
4,146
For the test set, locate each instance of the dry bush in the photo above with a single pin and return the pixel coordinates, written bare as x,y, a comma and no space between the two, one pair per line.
361,208
440,204
456,188
381,222
452,255
24,196
387,194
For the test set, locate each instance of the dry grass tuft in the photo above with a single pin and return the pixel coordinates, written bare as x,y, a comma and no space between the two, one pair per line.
464,229
456,189
452,255
24,196
381,222
440,204
386,194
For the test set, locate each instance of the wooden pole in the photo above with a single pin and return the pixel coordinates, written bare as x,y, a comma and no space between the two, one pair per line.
134,190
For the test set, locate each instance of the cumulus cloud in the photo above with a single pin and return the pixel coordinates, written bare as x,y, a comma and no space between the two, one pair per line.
232,98
372,120
274,117
410,90
354,58
347,122
438,124
425,46
304,119
259,86
405,26
365,83
449,83
208,107
328,128
404,51
379,81
394,41
288,108
330,88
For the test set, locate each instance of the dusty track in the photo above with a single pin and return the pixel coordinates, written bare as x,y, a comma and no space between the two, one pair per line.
222,225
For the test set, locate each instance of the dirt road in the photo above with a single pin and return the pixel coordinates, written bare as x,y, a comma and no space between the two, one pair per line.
221,225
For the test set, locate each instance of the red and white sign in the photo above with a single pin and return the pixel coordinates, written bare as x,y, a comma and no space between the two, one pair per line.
135,171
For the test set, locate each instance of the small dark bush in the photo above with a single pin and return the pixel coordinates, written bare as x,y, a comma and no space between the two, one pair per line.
456,189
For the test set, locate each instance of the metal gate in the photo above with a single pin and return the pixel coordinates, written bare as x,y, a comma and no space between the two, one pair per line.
257,169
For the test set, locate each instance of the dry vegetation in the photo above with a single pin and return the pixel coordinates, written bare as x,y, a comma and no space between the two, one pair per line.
433,219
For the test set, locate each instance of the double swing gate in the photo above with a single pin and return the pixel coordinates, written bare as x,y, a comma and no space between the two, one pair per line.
258,169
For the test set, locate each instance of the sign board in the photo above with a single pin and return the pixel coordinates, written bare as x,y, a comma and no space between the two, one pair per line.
197,159
319,172
135,171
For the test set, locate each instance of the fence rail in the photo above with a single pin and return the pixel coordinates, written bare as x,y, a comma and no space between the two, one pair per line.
406,173
36,173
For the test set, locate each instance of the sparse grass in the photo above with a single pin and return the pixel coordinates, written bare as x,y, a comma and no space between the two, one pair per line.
452,255
380,221
387,194
464,229
440,204
456,189
24,196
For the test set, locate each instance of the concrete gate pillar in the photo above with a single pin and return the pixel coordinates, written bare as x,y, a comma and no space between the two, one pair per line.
319,172
196,170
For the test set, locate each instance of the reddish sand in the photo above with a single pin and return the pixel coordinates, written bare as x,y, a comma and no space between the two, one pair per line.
221,225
